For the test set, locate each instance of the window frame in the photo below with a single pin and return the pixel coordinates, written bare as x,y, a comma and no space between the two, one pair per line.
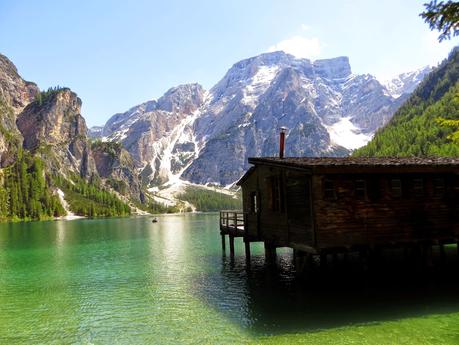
393,188
418,187
439,189
329,192
254,202
363,188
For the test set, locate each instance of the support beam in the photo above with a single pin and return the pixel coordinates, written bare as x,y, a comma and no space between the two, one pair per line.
428,256
223,243
442,253
270,253
231,242
247,250
302,261
323,260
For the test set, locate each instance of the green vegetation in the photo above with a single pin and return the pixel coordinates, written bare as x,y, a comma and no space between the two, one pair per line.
25,193
157,207
113,148
43,96
442,16
90,198
208,200
7,119
422,126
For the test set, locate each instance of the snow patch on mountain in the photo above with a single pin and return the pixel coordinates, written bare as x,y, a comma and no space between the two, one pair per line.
405,83
344,133
258,84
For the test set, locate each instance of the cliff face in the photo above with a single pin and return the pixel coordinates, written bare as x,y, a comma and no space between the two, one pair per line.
15,94
53,126
15,91
116,165
158,134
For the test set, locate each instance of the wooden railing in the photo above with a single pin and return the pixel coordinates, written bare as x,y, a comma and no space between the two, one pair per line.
231,221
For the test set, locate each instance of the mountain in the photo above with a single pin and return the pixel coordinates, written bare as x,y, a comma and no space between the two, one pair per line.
405,83
15,94
47,163
53,126
158,134
414,129
205,137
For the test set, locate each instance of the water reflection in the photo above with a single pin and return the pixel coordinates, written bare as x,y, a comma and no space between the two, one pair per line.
274,300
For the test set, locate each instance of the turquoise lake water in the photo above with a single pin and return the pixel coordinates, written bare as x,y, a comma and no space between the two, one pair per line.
131,281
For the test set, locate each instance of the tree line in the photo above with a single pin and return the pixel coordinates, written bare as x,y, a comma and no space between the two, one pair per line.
208,200
90,198
424,125
25,192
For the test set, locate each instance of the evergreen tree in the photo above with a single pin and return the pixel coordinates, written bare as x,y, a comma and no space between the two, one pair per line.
442,16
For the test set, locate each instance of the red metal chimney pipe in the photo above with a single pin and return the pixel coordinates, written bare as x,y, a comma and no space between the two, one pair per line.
282,142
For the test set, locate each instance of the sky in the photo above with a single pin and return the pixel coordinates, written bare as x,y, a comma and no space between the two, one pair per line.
116,54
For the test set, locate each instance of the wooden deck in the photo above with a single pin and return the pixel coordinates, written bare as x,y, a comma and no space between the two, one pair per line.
232,224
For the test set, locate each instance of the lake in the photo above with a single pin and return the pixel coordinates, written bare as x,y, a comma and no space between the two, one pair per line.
131,281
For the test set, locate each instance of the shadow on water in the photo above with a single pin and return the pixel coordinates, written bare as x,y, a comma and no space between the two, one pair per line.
267,300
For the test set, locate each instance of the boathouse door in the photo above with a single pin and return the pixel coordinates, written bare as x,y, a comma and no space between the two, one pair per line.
299,213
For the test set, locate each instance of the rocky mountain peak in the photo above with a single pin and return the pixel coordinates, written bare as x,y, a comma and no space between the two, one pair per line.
14,90
54,120
336,68
405,83
328,110
183,98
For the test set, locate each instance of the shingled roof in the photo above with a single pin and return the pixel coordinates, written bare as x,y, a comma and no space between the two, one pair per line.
359,164
356,161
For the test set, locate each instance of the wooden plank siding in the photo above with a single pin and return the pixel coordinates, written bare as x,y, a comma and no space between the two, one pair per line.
315,204
384,219
280,219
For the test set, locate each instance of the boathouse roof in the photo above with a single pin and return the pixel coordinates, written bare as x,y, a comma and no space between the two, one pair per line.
358,164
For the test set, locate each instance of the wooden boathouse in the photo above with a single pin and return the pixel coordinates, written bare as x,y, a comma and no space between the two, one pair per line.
330,205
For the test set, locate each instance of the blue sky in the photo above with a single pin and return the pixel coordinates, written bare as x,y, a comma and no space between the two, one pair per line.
116,54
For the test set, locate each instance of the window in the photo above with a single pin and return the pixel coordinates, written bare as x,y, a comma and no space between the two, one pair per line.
374,189
456,187
360,188
329,190
253,202
418,187
439,186
276,202
396,188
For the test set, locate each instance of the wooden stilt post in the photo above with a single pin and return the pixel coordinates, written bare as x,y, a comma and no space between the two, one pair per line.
442,253
223,243
346,257
247,250
335,260
302,260
270,253
323,261
231,242
428,255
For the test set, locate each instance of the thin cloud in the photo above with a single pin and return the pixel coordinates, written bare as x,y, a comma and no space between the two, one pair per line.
299,46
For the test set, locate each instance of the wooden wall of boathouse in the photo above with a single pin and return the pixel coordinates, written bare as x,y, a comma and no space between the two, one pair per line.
288,207
277,203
